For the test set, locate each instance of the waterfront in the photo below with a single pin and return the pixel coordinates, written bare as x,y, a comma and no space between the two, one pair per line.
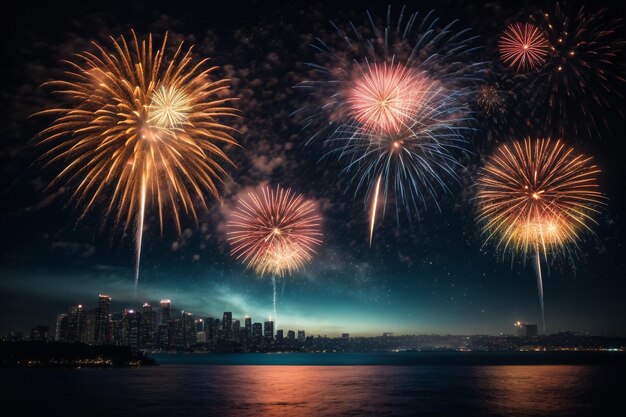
185,389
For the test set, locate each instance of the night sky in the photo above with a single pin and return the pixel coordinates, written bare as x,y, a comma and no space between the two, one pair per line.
431,275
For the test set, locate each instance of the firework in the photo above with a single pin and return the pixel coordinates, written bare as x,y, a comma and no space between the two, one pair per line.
140,128
583,76
391,106
275,232
491,99
523,46
385,97
537,197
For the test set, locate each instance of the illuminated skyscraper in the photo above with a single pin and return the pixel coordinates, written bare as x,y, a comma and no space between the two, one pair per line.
227,325
211,328
188,329
165,307
257,331
269,330
248,327
60,333
116,329
132,326
75,323
88,333
163,336
301,336
236,330
102,319
148,328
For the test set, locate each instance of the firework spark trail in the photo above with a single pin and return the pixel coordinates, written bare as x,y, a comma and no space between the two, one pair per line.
274,300
391,106
139,128
540,288
537,197
139,234
374,207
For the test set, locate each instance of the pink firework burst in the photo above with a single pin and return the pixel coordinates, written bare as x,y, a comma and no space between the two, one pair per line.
274,232
523,47
386,96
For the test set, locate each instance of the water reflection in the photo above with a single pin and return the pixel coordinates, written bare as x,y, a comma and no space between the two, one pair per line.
324,391
532,390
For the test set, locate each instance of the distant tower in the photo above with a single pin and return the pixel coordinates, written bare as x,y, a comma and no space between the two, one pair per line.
116,329
165,307
60,333
248,327
75,323
147,326
188,329
257,330
301,336
102,319
132,326
269,329
236,328
227,325
279,335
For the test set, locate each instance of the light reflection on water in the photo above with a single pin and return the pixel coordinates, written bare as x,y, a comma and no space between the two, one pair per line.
272,391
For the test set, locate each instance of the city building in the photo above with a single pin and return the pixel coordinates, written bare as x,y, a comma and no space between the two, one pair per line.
526,330
116,329
89,334
163,339
132,326
148,326
165,310
212,327
236,331
268,330
345,337
257,331
279,335
248,327
60,331
291,335
227,325
189,333
39,333
301,336
102,319
75,323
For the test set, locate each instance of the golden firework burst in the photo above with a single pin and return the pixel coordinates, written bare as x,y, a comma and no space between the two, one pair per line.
140,127
537,195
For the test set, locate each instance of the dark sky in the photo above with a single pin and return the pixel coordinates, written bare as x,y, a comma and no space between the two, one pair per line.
431,275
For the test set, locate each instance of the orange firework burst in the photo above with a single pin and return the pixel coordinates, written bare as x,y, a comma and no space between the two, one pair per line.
537,196
386,96
523,46
140,127
274,232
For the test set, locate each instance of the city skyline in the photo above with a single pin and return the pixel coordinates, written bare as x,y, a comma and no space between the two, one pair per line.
154,314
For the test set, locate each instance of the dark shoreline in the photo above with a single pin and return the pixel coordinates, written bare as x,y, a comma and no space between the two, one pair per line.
31,354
